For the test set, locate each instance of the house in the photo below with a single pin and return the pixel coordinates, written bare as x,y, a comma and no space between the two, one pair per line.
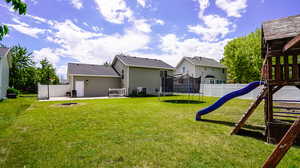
206,69
127,72
91,80
4,71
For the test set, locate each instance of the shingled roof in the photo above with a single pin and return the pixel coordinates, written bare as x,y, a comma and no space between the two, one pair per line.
91,69
203,61
281,28
143,62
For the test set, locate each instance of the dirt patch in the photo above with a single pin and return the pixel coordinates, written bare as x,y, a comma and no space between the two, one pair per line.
69,104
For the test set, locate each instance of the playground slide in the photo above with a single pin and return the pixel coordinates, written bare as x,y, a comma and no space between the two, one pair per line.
251,86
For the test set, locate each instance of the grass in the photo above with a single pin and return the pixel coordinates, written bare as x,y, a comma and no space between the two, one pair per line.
132,132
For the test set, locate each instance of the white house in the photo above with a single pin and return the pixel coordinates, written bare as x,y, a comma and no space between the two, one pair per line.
4,71
210,70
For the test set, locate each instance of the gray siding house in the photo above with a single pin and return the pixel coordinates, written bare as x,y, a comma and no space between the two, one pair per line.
210,70
92,80
4,71
125,72
138,72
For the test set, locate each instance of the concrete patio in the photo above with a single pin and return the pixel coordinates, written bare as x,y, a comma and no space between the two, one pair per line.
78,98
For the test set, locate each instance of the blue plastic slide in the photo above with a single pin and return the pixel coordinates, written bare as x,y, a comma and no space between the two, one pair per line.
251,86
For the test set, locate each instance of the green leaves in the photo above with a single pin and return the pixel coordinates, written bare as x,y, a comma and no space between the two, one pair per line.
24,75
3,31
242,56
18,6
46,73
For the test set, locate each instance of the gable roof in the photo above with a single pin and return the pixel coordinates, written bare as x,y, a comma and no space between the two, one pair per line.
3,51
143,62
203,61
91,70
281,28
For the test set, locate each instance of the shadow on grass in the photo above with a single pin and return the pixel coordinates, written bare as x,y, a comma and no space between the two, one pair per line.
184,101
247,131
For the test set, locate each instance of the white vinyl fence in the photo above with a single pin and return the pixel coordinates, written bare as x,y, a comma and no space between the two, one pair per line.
219,90
54,91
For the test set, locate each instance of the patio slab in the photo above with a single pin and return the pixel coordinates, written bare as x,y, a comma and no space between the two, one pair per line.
78,98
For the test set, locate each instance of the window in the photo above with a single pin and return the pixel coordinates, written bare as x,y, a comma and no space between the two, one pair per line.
183,69
223,70
122,76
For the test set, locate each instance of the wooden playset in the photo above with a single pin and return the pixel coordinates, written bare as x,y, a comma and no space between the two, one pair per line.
281,66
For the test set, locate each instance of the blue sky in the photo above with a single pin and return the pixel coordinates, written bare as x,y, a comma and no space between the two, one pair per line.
94,31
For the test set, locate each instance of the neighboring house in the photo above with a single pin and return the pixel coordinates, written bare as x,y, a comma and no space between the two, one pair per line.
92,80
125,72
4,71
209,70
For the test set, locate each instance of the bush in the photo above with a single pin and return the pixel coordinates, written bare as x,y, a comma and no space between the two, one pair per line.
12,90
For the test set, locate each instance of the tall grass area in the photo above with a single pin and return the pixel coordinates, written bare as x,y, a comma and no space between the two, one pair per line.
133,132
10,109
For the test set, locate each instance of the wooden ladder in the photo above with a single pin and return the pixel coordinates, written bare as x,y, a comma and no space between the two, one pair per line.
283,146
250,111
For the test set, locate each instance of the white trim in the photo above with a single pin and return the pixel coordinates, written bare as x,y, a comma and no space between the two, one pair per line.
106,76
182,59
134,66
117,57
188,60
210,66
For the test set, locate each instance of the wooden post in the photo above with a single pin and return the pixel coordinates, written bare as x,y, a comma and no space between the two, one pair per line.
270,103
270,70
252,108
295,68
286,67
283,146
278,69
249,112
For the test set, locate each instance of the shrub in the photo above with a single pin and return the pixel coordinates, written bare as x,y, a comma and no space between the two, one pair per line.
12,90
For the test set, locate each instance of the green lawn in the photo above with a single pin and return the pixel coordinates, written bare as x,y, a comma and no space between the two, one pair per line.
131,132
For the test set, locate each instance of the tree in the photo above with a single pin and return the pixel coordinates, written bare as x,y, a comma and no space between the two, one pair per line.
46,73
22,74
242,56
18,6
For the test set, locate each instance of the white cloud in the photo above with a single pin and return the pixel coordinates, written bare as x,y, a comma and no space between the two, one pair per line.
215,27
50,54
89,47
172,45
26,29
142,3
96,28
233,8
159,21
203,4
36,18
76,4
142,25
114,11
61,71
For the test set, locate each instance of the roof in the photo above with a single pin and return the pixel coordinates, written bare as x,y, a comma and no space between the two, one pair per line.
143,62
3,51
203,61
281,28
91,70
